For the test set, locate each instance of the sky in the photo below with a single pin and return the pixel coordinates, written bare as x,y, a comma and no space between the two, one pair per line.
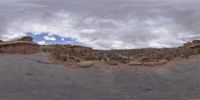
102,24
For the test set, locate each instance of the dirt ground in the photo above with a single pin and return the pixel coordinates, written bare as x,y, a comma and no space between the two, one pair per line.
34,77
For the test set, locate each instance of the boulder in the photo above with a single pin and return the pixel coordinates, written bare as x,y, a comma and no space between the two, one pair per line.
150,63
135,63
26,38
85,64
163,61
1,41
112,62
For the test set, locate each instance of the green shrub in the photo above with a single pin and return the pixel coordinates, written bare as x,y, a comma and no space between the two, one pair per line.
59,56
186,55
55,54
198,51
90,58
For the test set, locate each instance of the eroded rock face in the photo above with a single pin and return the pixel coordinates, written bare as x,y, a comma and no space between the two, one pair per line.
21,46
196,41
133,57
26,38
77,51
163,61
135,63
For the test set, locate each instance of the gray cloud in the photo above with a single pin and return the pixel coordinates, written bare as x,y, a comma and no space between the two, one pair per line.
105,24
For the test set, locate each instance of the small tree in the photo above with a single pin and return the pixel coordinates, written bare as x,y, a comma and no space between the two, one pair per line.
198,51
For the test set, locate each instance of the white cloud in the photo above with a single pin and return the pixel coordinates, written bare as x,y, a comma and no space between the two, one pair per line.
161,32
42,42
89,31
49,38
104,24
62,39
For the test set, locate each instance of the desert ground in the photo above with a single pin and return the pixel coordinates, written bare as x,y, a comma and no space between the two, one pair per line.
34,77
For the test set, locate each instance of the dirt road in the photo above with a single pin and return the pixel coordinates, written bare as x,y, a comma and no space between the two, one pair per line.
33,77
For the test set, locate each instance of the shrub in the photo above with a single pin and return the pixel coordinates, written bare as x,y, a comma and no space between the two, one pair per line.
55,54
64,57
90,58
186,55
198,51
59,56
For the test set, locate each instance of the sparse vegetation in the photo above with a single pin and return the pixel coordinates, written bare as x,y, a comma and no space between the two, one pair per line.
146,56
90,58
59,56
198,51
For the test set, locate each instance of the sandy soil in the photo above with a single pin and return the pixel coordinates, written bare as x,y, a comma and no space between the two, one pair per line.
34,77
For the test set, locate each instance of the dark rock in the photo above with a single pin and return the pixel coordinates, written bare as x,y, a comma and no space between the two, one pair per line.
26,38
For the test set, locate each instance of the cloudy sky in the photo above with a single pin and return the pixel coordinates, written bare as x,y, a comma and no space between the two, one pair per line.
102,24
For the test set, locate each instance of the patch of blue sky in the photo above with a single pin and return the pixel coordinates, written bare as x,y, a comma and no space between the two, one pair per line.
55,39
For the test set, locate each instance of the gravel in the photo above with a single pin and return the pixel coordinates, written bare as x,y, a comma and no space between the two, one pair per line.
33,77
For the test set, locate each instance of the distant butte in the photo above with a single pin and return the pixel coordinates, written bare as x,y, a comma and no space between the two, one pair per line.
24,45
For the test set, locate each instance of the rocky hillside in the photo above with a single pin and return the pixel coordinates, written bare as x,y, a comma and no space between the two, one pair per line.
25,45
142,57
74,54
153,55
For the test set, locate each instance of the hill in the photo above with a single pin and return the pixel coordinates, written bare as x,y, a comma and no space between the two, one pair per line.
74,54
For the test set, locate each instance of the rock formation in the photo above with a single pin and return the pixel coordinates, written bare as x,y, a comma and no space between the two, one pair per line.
24,46
69,49
154,56
135,63
86,64
26,38
112,62
163,61
133,57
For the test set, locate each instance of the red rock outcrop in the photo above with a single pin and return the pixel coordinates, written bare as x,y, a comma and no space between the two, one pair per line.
75,50
24,46
112,62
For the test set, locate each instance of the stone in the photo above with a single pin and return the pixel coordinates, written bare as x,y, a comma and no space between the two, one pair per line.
85,64
196,41
112,62
135,63
163,61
